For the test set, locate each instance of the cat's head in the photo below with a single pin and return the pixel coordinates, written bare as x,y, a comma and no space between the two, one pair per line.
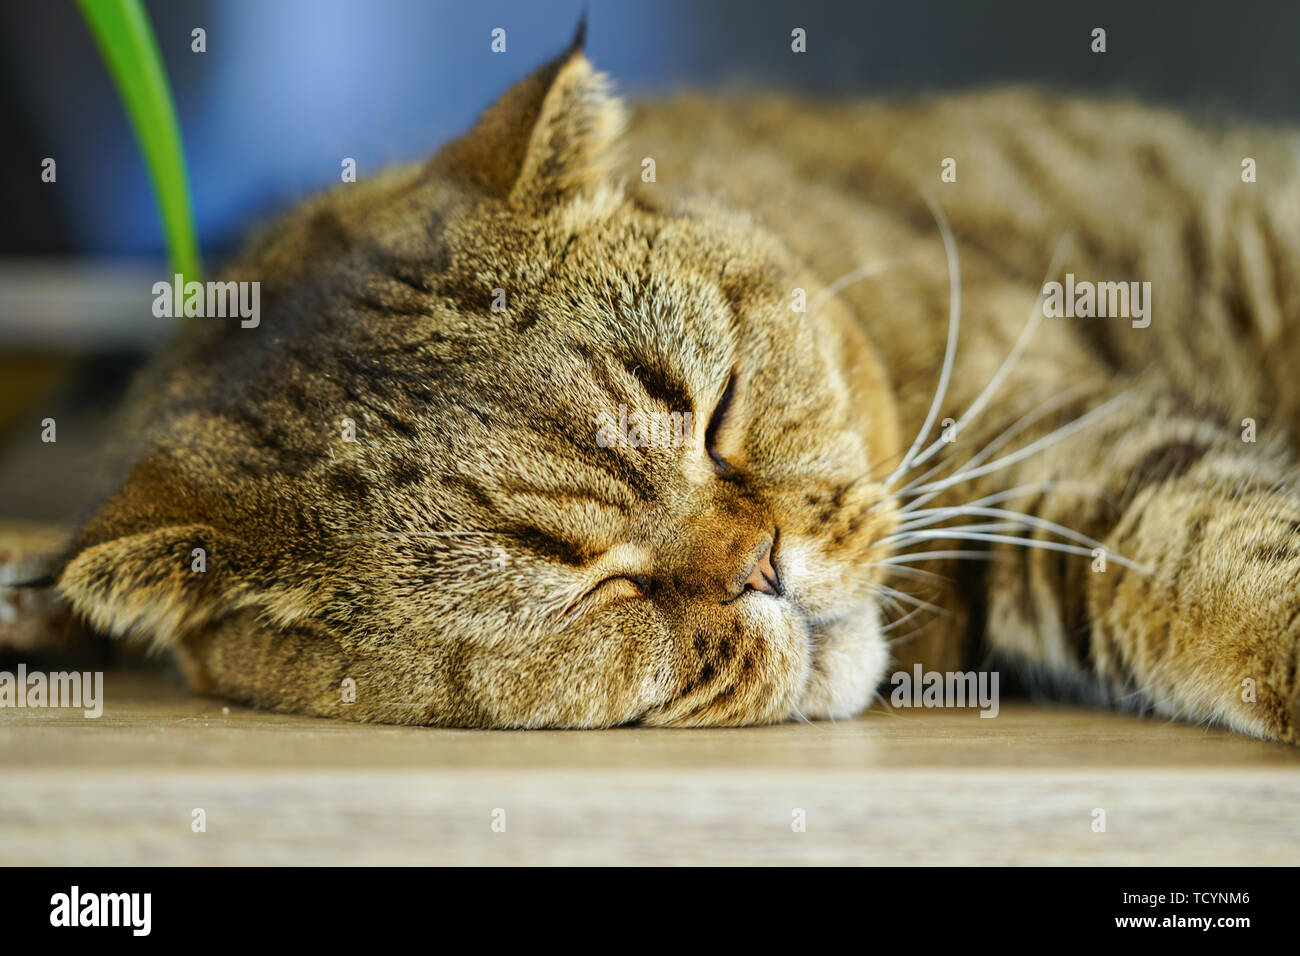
514,444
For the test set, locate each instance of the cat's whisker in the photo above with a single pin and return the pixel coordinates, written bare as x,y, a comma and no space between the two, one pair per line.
914,601
907,537
904,639
940,534
1004,437
409,534
912,508
899,640
799,714
894,608
856,275
998,441
912,557
912,572
887,603
889,710
950,351
1022,523
879,466
1034,319
902,620
921,478
1051,438
1019,518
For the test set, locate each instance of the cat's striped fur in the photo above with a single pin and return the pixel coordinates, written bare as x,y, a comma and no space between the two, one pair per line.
448,561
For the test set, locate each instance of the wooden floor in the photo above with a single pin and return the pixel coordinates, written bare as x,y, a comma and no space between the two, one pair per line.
908,787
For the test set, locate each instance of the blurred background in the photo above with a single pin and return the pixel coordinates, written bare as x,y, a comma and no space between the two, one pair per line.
287,88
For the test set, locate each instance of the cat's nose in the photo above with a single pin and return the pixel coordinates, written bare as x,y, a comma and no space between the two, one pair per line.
764,577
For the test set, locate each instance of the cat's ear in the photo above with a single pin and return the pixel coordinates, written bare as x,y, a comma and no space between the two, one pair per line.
148,564
161,584
550,135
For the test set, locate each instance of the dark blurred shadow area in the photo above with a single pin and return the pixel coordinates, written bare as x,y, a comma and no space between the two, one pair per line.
284,90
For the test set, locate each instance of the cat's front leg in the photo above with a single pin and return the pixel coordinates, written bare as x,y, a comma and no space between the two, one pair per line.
702,675
1179,591
1213,632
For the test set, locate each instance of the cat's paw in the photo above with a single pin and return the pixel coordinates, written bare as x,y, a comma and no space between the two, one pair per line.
1282,700
32,618
1212,634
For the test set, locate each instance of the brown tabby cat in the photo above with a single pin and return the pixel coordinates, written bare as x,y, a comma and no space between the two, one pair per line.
426,476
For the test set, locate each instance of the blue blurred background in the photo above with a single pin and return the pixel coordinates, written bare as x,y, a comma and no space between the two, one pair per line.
287,88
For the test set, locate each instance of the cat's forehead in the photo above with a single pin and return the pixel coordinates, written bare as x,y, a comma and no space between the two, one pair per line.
612,272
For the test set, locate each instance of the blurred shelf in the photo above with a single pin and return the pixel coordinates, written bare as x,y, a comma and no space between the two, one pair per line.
80,305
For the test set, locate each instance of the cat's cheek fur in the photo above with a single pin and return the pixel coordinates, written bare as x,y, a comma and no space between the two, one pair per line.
747,663
850,658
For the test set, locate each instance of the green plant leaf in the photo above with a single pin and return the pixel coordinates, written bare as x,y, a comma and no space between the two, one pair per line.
126,41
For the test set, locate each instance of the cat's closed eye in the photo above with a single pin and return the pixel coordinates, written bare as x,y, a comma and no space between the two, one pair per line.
714,439
617,587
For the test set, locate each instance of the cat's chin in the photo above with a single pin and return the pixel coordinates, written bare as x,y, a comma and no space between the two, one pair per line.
849,660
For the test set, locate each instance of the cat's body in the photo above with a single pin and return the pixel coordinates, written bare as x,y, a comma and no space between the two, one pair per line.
445,566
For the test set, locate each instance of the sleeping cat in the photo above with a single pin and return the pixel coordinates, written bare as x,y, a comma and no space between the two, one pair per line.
430,486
